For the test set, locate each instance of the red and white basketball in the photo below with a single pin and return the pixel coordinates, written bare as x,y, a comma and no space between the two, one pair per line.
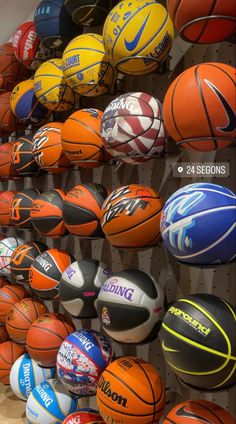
25,43
133,129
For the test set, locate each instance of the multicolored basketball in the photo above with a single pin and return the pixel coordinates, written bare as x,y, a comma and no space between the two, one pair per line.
198,224
82,208
138,37
11,71
199,107
9,353
7,247
21,206
81,359
25,43
45,337
5,205
8,121
4,336
46,272
133,128
130,217
84,416
89,12
7,171
9,295
130,390
23,159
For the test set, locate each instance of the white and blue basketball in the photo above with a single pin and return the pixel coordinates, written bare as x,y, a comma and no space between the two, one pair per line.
26,374
49,402
81,359
198,224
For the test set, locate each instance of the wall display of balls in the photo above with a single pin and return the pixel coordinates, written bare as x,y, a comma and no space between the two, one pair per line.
133,128
5,204
86,66
193,227
79,287
45,337
21,206
25,44
11,71
199,107
7,170
138,37
9,353
130,217
130,390
82,208
4,336
198,341
46,272
84,416
130,306
89,13
7,247
8,121
10,294
81,359
25,375
22,157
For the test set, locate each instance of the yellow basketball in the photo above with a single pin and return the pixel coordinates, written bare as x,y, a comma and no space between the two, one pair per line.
138,36
86,66
51,87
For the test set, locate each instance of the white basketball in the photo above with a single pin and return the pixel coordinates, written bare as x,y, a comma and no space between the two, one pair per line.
7,247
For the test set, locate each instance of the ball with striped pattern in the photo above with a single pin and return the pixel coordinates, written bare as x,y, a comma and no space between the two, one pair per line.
133,129
21,207
7,247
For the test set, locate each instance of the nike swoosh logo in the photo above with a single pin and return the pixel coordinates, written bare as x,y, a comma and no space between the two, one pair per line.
131,45
183,413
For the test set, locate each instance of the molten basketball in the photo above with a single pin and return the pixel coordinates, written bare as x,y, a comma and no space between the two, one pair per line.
4,336
89,12
7,170
9,295
11,71
7,247
25,43
5,208
8,122
9,353
21,207
23,159
199,107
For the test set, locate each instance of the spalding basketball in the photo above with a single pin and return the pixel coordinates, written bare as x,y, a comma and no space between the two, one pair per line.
25,43
11,71
84,416
82,208
207,22
131,390
199,108
133,128
138,37
197,412
45,337
5,205
4,336
83,350
9,353
7,170
21,207
197,335
9,295
47,148
46,272
193,227
89,13
23,159
130,217
7,247
8,121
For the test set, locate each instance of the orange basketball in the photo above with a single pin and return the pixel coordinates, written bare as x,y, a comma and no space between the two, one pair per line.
7,169
11,71
45,337
198,412
4,336
130,391
203,21
8,121
47,148
5,207
200,106
21,207
9,295
9,353
21,316
23,159
130,217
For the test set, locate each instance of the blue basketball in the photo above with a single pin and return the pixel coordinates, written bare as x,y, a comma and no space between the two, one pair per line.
198,225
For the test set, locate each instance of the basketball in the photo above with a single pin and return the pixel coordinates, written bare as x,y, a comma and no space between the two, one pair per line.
11,71
193,227
25,375
133,128
5,204
47,148
82,208
21,207
204,23
81,359
9,353
22,259
7,171
198,411
9,295
84,416
51,87
86,66
45,337
130,217
81,138
89,13
46,272
23,159
79,287
198,341
130,390
46,214
3,281
138,37
130,307
25,43
199,107
8,121
7,247
4,336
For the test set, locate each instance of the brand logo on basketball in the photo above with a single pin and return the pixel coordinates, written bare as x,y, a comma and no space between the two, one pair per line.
44,396
71,61
85,341
89,294
122,104
76,193
126,206
16,38
29,44
4,295
44,264
159,49
190,320
126,365
70,272
113,287
26,382
104,386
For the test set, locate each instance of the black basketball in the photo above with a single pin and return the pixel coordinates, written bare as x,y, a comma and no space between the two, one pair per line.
22,258
89,12
21,207
23,159
199,343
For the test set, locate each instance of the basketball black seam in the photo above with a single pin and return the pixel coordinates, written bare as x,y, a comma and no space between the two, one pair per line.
175,11
222,70
4,360
54,261
208,409
47,330
172,105
91,213
21,313
206,23
124,413
9,288
83,124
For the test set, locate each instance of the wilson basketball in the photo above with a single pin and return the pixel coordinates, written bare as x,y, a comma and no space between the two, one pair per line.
84,416
9,295
11,71
82,208
9,353
130,390
193,227
89,13
21,206
133,128
45,337
4,336
8,121
23,159
199,108
197,412
197,335
130,217
7,171
7,247
207,22
46,214
47,148
25,43
5,205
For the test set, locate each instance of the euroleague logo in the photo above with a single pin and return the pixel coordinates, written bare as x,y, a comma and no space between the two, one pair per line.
40,139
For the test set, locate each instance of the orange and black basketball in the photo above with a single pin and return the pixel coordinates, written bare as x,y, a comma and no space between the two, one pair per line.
23,159
9,295
45,337
9,353
7,171
21,207
8,121
4,336
46,214
5,208
11,71
82,208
